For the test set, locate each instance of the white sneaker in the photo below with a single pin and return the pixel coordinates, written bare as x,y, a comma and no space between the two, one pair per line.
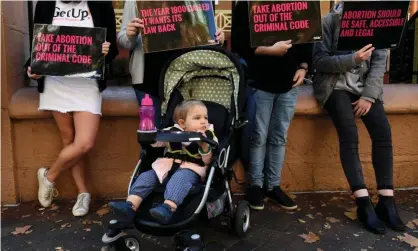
81,207
46,190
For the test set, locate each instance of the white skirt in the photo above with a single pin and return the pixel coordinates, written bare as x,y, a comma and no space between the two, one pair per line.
71,95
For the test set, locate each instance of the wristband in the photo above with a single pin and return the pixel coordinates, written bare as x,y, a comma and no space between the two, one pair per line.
303,67
201,152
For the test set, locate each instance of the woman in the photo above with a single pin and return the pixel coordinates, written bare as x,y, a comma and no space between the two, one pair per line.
145,69
75,103
276,72
350,85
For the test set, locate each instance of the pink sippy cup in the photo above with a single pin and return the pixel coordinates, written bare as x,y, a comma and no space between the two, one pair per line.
146,115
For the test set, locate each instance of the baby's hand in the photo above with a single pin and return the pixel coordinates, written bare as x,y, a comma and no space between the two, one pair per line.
203,145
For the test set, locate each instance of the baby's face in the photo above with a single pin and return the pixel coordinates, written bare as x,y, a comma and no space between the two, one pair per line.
196,120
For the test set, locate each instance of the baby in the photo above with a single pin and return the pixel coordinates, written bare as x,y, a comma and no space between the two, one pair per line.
191,158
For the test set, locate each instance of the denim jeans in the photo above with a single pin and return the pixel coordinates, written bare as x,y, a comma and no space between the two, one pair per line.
340,108
157,106
273,113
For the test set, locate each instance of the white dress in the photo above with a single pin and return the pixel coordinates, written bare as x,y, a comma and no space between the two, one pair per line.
65,94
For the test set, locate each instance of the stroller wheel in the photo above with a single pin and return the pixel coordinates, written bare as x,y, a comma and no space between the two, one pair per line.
242,219
126,243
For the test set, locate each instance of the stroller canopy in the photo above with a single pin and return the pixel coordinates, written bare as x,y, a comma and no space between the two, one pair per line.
208,74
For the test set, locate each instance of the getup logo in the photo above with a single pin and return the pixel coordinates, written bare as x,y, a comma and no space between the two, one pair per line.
72,13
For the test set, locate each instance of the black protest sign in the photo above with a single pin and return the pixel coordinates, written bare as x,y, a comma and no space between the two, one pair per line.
380,23
170,25
68,51
274,21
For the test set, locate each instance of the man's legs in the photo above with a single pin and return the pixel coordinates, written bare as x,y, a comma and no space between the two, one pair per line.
263,108
282,115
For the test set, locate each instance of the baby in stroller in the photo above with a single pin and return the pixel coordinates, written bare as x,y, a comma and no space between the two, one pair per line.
182,167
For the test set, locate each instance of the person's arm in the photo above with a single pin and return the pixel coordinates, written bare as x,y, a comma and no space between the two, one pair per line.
374,81
240,33
323,59
38,18
111,32
129,12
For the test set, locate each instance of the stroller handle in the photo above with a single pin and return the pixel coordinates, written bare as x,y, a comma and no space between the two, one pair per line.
181,136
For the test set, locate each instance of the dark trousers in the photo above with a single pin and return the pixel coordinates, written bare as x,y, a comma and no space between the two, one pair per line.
340,108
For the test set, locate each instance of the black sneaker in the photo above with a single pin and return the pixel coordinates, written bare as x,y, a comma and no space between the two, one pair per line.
277,195
255,197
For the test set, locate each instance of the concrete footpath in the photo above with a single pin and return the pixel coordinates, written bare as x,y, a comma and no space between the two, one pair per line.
322,222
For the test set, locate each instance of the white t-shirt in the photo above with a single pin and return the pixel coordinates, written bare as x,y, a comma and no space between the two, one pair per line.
71,94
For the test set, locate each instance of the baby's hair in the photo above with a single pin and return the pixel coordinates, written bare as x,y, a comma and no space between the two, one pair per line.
184,107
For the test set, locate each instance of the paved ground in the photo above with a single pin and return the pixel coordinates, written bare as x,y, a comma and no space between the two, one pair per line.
273,229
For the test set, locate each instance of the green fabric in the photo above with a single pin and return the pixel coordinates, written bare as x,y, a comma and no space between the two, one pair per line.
199,81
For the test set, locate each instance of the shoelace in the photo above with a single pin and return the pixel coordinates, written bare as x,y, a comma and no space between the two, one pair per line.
80,202
51,193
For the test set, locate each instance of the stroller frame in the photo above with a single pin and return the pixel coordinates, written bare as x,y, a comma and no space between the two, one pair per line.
238,216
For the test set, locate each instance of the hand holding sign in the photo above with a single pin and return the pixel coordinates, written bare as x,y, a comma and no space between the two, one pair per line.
105,48
32,76
280,48
132,28
364,53
220,36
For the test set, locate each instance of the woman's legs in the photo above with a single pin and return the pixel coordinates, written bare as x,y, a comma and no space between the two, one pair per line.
86,127
66,127
382,154
339,106
82,127
382,157
340,109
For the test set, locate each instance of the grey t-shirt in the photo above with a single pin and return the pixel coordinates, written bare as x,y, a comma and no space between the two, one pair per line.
353,80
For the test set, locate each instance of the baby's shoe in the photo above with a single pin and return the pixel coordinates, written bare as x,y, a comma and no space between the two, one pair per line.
124,209
162,213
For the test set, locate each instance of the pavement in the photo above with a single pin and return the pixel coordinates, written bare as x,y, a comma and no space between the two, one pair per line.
322,223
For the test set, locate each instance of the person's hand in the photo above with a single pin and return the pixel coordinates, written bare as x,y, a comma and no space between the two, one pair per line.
299,77
132,28
280,48
32,76
361,107
105,48
364,53
220,36
203,145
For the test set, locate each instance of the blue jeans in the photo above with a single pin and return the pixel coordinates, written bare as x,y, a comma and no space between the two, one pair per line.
157,106
273,113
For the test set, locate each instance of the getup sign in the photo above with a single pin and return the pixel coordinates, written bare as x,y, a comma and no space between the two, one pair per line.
68,51
274,21
380,23
170,25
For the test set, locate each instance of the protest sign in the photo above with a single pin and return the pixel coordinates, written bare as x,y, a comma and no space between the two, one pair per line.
380,23
170,25
274,21
68,51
